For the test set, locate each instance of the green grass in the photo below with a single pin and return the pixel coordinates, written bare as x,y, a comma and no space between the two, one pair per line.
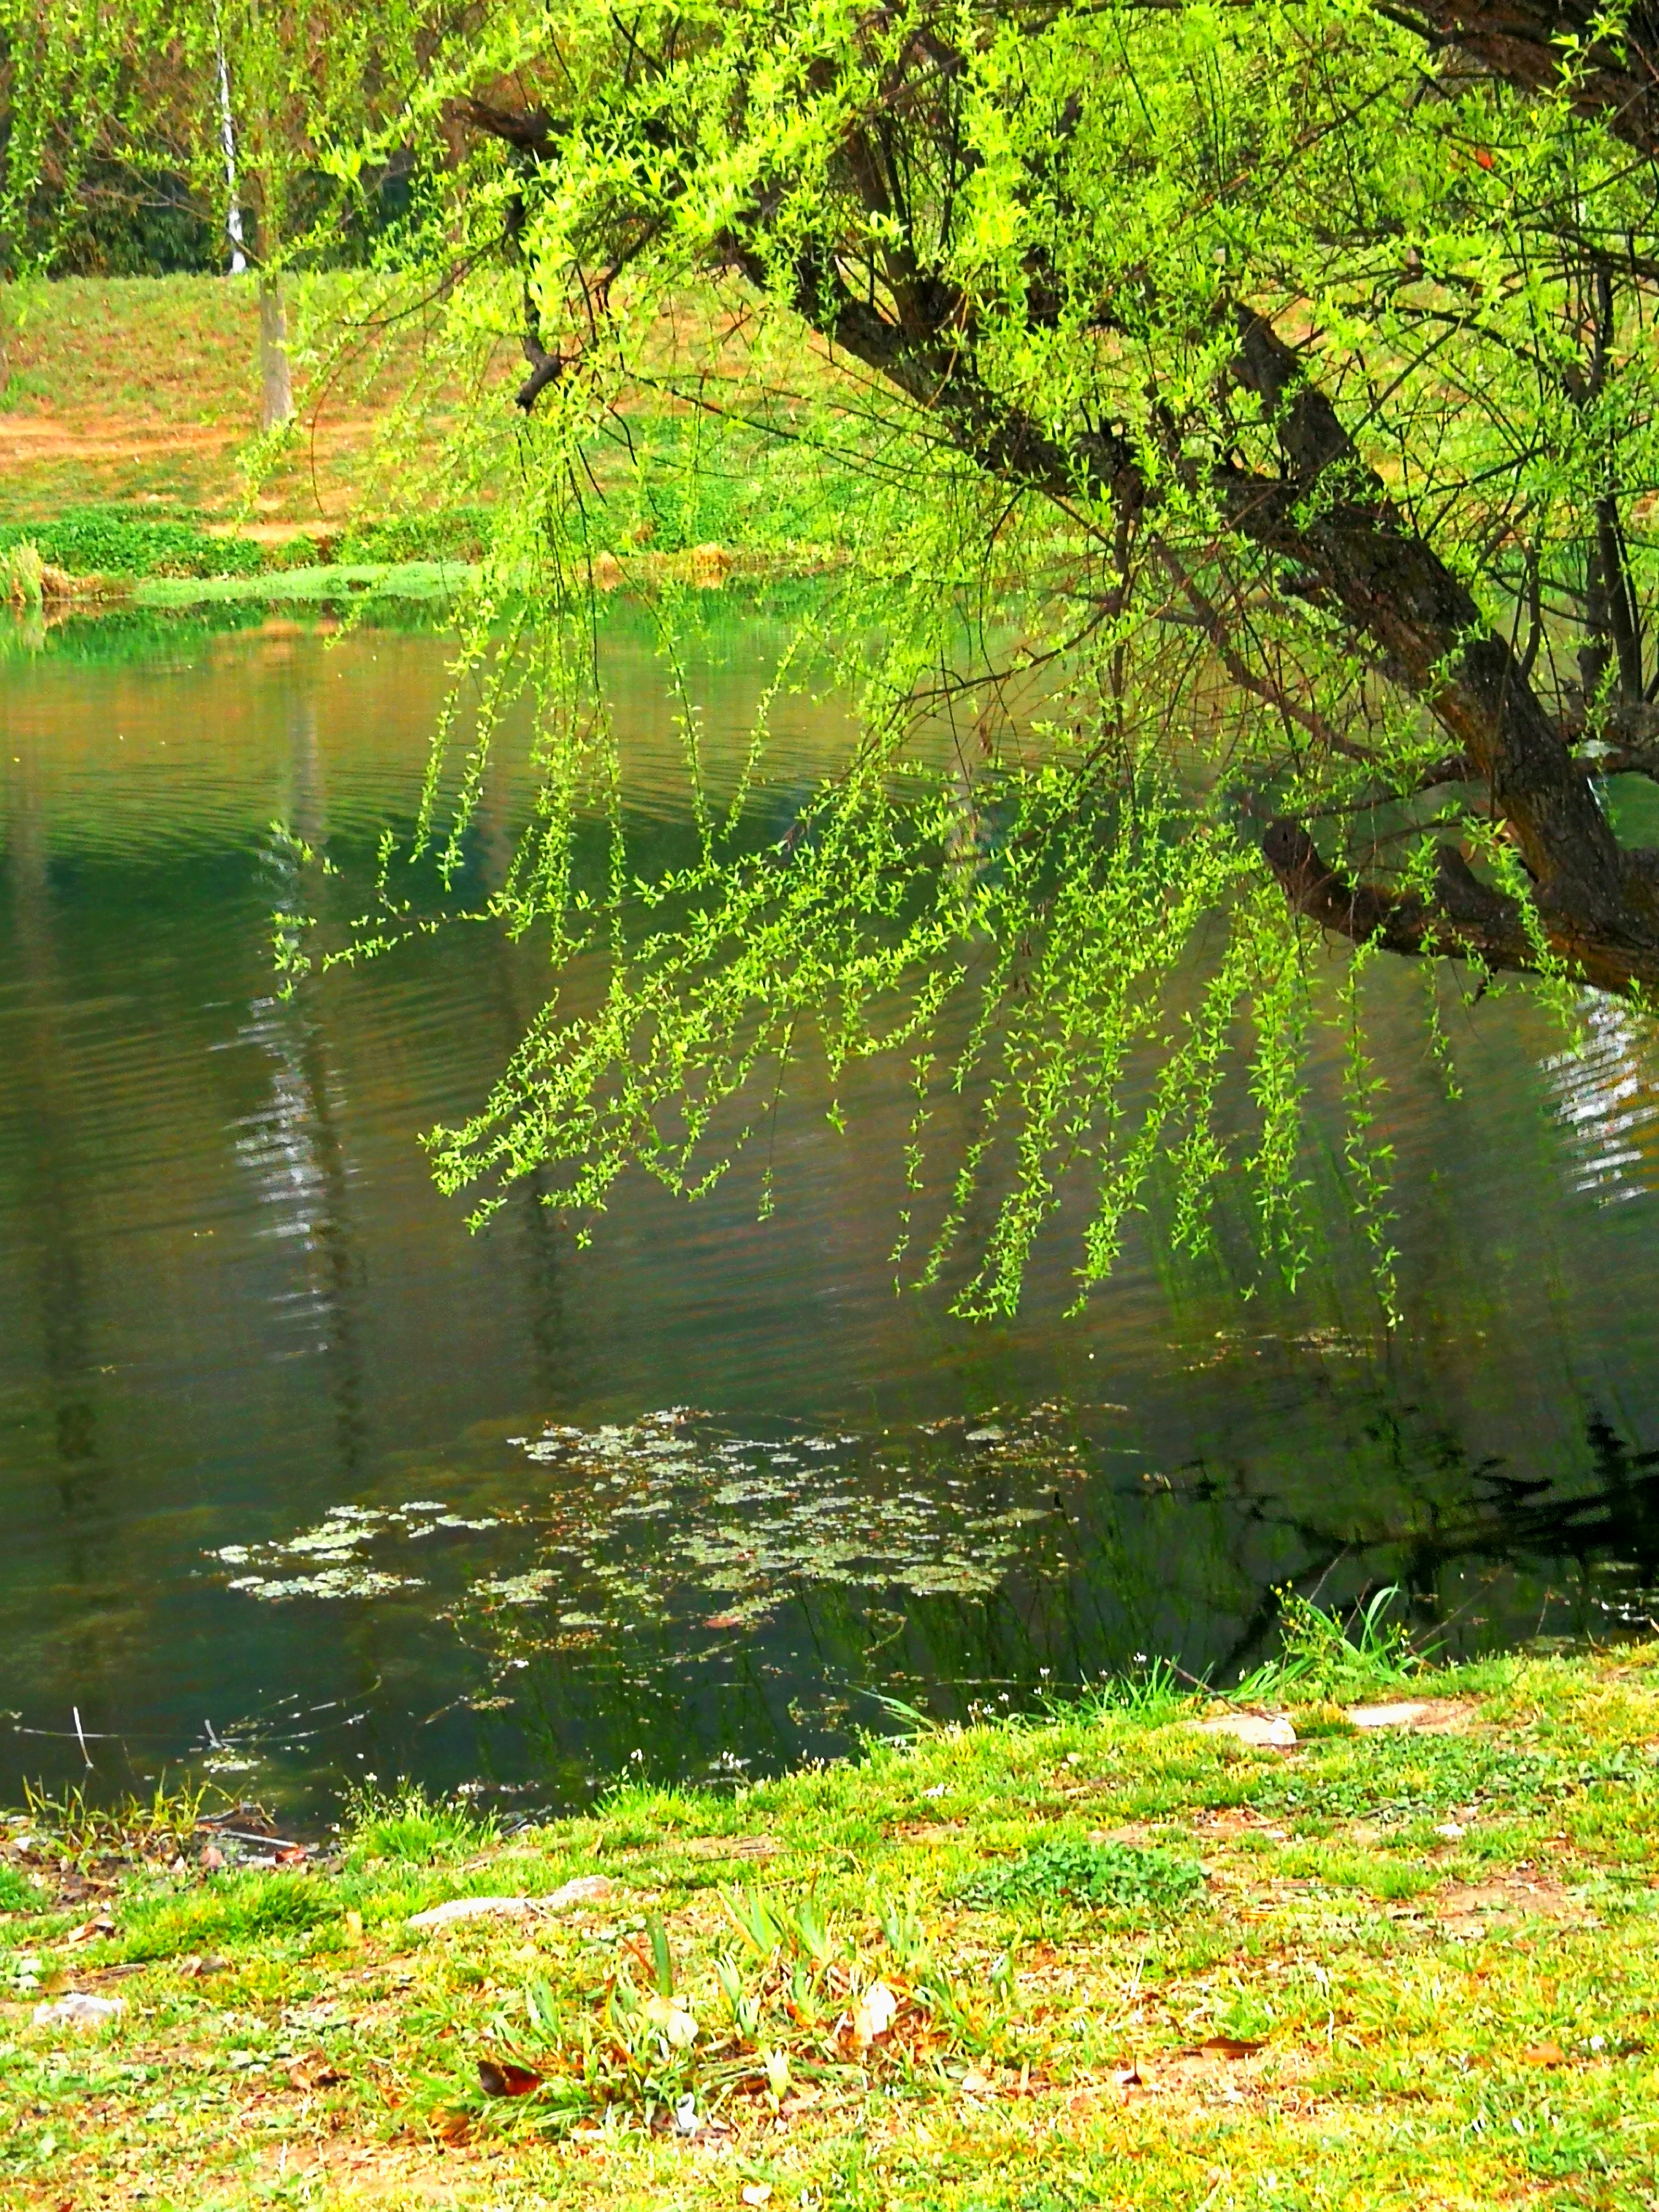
117,541
141,484
142,390
17,1893
1100,1958
320,584
114,542
1082,1873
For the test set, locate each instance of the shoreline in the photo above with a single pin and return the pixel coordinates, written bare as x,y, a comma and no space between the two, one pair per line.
1155,1949
336,585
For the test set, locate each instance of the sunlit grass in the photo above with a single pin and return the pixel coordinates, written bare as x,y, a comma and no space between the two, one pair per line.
1096,1958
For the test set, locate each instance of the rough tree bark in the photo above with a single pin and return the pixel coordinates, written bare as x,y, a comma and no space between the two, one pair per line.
1537,45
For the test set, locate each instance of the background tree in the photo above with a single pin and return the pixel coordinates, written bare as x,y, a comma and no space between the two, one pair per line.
220,117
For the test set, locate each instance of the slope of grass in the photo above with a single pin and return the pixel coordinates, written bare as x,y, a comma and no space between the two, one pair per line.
129,409
145,391
128,543
1108,1960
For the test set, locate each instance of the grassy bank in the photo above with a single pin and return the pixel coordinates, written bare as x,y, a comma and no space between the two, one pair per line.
144,390
1111,1959
136,486
143,475
320,584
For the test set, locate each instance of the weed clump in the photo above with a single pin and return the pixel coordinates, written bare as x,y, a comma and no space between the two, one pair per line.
22,574
1330,1659
456,533
802,2002
84,1832
1066,1868
232,1909
409,1828
17,1893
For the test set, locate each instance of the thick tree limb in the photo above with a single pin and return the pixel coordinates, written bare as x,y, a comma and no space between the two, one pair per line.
1540,46
545,368
531,130
1325,519
1465,919
1395,590
1598,904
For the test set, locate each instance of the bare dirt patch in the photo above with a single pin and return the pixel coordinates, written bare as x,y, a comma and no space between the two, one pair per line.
732,1847
1418,1716
1133,1832
1526,1893
355,2173
1223,1828
25,438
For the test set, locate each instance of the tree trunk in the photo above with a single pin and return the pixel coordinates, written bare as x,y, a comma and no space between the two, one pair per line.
276,388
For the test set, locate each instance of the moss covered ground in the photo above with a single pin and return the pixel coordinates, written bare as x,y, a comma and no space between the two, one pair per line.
1106,1957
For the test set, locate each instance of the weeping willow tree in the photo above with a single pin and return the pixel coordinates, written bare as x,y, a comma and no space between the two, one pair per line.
1235,426
1263,394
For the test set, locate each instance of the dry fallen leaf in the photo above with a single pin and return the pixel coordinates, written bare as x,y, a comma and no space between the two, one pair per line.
500,2077
1544,2054
1228,2046
316,2071
976,2084
1128,2077
451,2127
89,1930
670,2014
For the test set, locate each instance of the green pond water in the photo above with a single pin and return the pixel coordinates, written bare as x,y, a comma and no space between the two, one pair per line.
301,1482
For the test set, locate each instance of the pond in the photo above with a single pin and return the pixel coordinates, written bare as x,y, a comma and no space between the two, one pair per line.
303,1482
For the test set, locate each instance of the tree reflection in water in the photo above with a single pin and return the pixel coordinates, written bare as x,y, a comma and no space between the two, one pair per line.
1607,1093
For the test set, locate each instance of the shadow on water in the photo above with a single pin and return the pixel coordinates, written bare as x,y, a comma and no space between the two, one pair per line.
301,1482
1482,1556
